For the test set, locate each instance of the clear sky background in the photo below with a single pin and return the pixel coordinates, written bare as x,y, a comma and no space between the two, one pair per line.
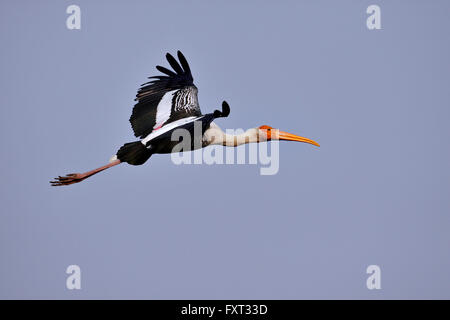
376,192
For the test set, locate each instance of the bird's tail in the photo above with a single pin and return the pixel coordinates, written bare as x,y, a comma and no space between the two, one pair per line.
134,153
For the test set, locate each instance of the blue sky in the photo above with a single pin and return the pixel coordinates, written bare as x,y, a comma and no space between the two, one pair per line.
376,192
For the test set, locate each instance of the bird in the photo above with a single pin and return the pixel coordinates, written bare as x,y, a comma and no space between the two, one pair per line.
169,102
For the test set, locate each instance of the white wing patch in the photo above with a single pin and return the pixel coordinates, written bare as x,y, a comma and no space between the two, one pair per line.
168,127
164,109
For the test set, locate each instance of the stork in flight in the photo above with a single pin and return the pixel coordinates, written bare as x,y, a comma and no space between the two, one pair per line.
169,102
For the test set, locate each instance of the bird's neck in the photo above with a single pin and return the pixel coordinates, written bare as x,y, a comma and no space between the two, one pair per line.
234,140
215,135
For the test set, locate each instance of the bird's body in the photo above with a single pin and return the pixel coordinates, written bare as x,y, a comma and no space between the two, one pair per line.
168,107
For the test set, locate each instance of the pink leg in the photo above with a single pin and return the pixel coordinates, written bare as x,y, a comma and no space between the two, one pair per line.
78,177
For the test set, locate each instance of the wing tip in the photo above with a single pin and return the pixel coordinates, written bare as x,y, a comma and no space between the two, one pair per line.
180,66
225,111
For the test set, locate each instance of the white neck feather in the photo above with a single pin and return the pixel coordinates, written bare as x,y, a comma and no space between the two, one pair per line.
215,135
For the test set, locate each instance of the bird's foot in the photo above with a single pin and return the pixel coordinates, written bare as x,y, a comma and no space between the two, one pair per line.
68,179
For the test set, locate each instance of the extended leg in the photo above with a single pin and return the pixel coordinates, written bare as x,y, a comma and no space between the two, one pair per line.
78,177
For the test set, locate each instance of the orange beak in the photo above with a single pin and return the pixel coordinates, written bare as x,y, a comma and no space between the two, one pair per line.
292,137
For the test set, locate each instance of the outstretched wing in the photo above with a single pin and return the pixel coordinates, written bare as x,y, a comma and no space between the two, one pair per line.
166,98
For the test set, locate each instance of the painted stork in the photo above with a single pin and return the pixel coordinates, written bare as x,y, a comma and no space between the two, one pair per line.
169,102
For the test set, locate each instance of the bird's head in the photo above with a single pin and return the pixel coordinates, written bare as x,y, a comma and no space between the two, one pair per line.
269,133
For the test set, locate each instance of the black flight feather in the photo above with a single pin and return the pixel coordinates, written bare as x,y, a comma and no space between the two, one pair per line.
224,113
166,71
184,63
174,64
143,117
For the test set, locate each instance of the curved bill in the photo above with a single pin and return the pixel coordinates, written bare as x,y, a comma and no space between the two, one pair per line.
292,137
